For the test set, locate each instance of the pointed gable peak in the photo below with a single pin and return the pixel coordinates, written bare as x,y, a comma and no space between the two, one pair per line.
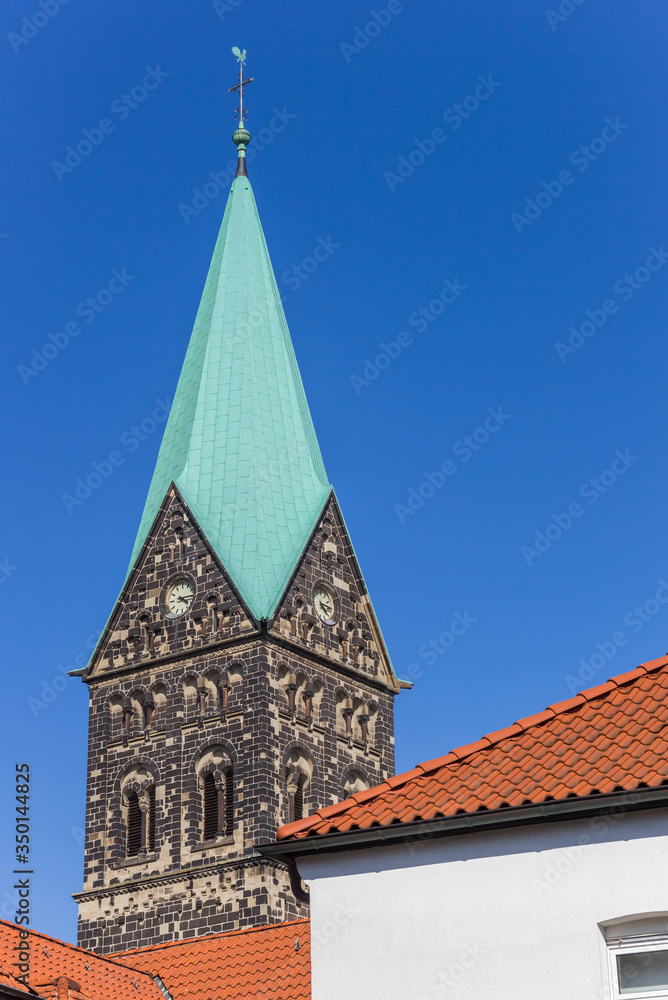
240,444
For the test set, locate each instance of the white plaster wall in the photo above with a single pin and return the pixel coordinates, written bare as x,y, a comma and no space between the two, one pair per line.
508,915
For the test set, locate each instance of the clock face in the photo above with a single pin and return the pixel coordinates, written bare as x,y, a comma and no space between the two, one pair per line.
180,597
324,602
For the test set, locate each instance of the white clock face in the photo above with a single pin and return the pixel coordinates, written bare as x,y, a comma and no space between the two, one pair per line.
323,600
180,597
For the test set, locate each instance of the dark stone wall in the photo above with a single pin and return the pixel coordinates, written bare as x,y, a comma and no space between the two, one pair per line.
275,704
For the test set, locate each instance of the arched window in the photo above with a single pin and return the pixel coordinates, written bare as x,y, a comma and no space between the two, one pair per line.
298,773
354,782
218,804
159,695
343,712
138,717
150,833
116,716
190,696
134,825
140,822
296,794
229,801
211,824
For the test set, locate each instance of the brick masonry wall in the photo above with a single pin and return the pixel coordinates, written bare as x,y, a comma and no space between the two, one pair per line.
272,674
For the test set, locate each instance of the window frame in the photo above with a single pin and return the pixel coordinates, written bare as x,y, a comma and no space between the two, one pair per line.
228,817
222,808
634,945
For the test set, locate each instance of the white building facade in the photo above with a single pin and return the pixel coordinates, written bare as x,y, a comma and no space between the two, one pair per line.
549,911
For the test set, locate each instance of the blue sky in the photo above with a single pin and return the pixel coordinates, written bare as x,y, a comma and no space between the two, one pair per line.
483,347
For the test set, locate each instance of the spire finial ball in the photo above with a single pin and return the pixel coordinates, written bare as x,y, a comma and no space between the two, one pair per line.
241,137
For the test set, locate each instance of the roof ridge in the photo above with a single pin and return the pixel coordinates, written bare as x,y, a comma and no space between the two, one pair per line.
458,754
555,709
206,937
65,944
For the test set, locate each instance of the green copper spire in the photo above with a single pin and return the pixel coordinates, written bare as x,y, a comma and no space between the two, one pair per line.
239,443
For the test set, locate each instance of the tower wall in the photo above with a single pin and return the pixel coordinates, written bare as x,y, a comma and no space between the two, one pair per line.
184,886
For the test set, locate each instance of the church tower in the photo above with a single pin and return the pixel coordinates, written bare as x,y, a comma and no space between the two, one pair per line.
242,680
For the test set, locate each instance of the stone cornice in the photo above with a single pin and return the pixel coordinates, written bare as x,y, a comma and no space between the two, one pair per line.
176,876
241,644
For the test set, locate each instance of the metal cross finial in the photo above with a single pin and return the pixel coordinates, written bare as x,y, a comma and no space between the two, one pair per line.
241,113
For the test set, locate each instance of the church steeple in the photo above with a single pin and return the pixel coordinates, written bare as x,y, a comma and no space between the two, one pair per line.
240,444
242,679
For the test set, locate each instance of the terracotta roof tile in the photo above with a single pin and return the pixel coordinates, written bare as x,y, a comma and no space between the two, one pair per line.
61,988
271,963
98,978
6,979
632,675
602,689
566,706
535,720
611,737
508,733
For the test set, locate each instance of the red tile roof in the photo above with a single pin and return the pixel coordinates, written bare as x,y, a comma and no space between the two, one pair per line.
97,978
272,963
8,980
611,737
61,988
